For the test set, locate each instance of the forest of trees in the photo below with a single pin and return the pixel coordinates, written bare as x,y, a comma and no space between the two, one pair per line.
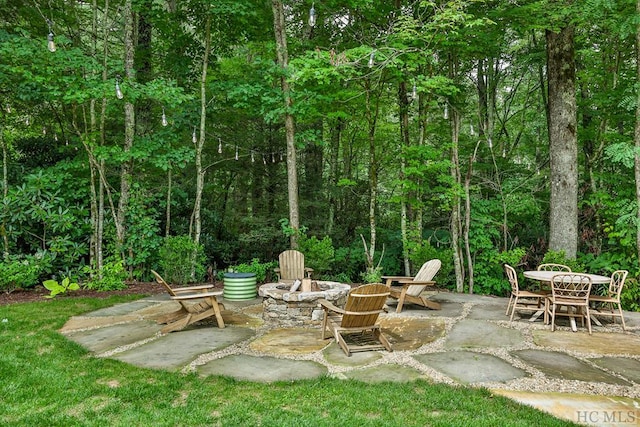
370,135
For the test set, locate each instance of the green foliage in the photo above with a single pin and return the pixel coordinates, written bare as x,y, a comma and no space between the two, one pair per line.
59,288
489,276
261,270
19,272
630,296
110,278
372,275
559,257
179,257
143,232
423,252
318,254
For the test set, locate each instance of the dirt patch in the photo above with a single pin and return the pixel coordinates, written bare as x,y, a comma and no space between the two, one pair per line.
38,293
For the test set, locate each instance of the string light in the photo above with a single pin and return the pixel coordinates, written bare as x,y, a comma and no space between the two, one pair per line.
219,146
253,157
264,160
119,94
414,91
236,152
372,58
273,158
55,137
446,111
193,136
312,16
164,118
50,43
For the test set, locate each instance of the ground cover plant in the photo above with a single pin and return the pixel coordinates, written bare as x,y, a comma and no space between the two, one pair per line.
48,380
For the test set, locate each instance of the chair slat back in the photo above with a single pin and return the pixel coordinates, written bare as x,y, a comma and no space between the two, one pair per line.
161,281
426,273
512,276
371,297
572,287
291,265
554,267
617,282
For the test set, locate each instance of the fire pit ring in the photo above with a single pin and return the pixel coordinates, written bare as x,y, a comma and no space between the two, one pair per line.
283,307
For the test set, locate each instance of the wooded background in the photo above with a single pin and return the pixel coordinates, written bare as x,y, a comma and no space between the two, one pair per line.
380,135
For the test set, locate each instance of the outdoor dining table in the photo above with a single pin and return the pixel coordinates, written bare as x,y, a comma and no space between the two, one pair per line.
546,276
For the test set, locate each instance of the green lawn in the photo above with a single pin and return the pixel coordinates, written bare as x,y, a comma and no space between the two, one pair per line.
47,380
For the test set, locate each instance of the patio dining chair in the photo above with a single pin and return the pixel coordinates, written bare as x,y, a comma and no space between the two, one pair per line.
599,302
570,290
546,286
522,299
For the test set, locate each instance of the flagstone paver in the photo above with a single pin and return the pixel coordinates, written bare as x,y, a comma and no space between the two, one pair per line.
598,342
410,333
175,350
627,368
560,365
469,367
290,341
478,333
386,373
110,337
262,369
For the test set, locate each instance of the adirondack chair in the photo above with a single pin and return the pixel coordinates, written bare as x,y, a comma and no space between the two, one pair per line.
190,311
412,287
355,327
292,267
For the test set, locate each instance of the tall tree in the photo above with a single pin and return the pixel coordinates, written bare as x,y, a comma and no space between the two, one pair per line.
563,145
292,168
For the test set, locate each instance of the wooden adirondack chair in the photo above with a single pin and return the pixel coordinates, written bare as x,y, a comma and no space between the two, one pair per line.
292,267
189,311
355,327
412,287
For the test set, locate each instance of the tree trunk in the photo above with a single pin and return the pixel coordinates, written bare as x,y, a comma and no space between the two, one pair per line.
200,171
636,136
372,116
563,147
129,128
403,103
292,169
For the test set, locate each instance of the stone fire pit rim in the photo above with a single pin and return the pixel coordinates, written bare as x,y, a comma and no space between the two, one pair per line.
280,291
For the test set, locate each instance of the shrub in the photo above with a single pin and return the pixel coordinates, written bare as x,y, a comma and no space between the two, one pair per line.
318,254
259,269
111,278
18,272
177,260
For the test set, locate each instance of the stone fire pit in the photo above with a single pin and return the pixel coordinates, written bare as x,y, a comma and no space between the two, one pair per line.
286,308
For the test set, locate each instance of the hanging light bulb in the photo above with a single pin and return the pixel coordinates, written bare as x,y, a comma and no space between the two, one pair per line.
312,16
55,137
446,111
50,43
371,59
280,156
253,157
119,94
44,130
414,91
219,146
273,158
194,138
264,160
9,108
236,152
164,118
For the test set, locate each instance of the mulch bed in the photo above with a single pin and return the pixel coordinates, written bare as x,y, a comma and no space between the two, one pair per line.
38,293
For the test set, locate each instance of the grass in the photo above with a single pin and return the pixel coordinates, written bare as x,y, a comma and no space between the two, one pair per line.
47,380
